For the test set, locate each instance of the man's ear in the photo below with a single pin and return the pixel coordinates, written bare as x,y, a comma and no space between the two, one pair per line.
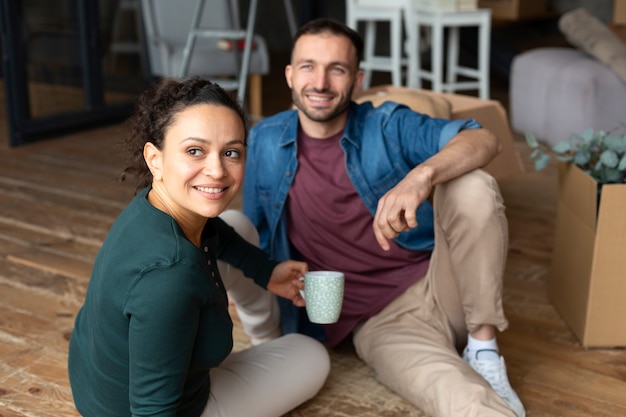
288,70
153,157
358,81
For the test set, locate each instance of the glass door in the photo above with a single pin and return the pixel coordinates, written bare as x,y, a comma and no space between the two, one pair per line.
69,64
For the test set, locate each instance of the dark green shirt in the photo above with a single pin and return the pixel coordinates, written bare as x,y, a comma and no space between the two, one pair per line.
155,318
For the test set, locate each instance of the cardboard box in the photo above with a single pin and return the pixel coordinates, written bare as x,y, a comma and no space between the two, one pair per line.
619,29
619,12
489,113
516,9
445,5
587,281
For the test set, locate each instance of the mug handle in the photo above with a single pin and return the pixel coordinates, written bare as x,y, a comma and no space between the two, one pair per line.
302,292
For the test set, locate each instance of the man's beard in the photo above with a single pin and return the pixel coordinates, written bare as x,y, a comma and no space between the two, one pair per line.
325,117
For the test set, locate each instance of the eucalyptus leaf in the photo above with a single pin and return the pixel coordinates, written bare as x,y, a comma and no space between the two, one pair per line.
616,143
597,167
535,153
564,158
542,162
622,164
581,157
609,158
587,135
613,176
600,154
531,140
562,147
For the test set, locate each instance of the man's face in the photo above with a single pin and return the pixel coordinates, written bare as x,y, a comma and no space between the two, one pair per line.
322,76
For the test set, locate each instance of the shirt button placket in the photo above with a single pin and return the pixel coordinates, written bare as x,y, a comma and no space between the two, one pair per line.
210,263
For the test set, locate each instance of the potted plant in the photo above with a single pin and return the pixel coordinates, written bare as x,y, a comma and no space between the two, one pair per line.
587,280
600,154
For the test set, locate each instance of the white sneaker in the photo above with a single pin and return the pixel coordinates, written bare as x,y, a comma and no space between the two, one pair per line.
494,372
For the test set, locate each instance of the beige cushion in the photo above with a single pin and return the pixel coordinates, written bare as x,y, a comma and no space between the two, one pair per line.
432,105
592,36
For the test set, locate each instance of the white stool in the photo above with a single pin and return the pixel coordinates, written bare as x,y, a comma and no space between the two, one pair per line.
371,12
439,21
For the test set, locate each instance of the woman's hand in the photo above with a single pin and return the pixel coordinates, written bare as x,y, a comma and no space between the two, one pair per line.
285,281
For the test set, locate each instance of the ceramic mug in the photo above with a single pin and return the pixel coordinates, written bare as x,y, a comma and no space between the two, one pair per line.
323,293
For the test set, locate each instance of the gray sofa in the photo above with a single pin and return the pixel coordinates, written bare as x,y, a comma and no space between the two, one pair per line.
555,92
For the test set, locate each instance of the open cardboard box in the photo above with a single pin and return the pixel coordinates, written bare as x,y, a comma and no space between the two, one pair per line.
619,12
489,113
618,25
445,5
587,282
619,29
516,9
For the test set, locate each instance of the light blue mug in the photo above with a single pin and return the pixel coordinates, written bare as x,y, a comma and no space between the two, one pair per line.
323,293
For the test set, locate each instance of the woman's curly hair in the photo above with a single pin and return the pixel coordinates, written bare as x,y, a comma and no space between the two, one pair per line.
155,111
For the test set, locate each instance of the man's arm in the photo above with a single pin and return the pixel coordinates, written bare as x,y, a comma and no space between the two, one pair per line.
468,150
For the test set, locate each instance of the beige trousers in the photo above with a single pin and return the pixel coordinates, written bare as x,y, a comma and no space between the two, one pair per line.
257,308
268,379
412,345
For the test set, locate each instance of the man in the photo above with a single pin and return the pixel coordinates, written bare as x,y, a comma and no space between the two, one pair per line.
347,187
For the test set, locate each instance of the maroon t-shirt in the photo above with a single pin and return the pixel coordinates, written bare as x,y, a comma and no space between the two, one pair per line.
332,229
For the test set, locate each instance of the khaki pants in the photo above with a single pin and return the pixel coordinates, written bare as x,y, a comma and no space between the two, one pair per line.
268,379
257,308
412,345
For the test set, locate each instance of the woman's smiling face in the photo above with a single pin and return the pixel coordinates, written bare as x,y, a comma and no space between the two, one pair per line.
200,167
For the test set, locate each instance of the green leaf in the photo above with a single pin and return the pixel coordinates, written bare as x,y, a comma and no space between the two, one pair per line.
616,143
598,166
562,147
531,140
587,135
622,164
601,154
581,157
613,176
535,153
609,158
542,162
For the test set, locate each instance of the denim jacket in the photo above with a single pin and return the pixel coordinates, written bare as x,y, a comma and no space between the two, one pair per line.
381,146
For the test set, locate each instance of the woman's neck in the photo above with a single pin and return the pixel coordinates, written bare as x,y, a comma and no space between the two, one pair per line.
191,226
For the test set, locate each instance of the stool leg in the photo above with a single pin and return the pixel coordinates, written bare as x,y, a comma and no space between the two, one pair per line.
395,34
483,55
453,59
413,52
437,56
370,40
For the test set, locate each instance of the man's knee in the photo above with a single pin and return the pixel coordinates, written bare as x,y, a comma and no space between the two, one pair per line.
474,195
476,183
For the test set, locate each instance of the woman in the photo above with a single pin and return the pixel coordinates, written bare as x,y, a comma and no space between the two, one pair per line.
154,336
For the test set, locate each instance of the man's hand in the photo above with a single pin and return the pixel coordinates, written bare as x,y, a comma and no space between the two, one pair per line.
395,212
285,281
468,150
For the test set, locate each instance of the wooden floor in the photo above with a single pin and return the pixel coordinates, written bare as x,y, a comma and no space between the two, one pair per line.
59,197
